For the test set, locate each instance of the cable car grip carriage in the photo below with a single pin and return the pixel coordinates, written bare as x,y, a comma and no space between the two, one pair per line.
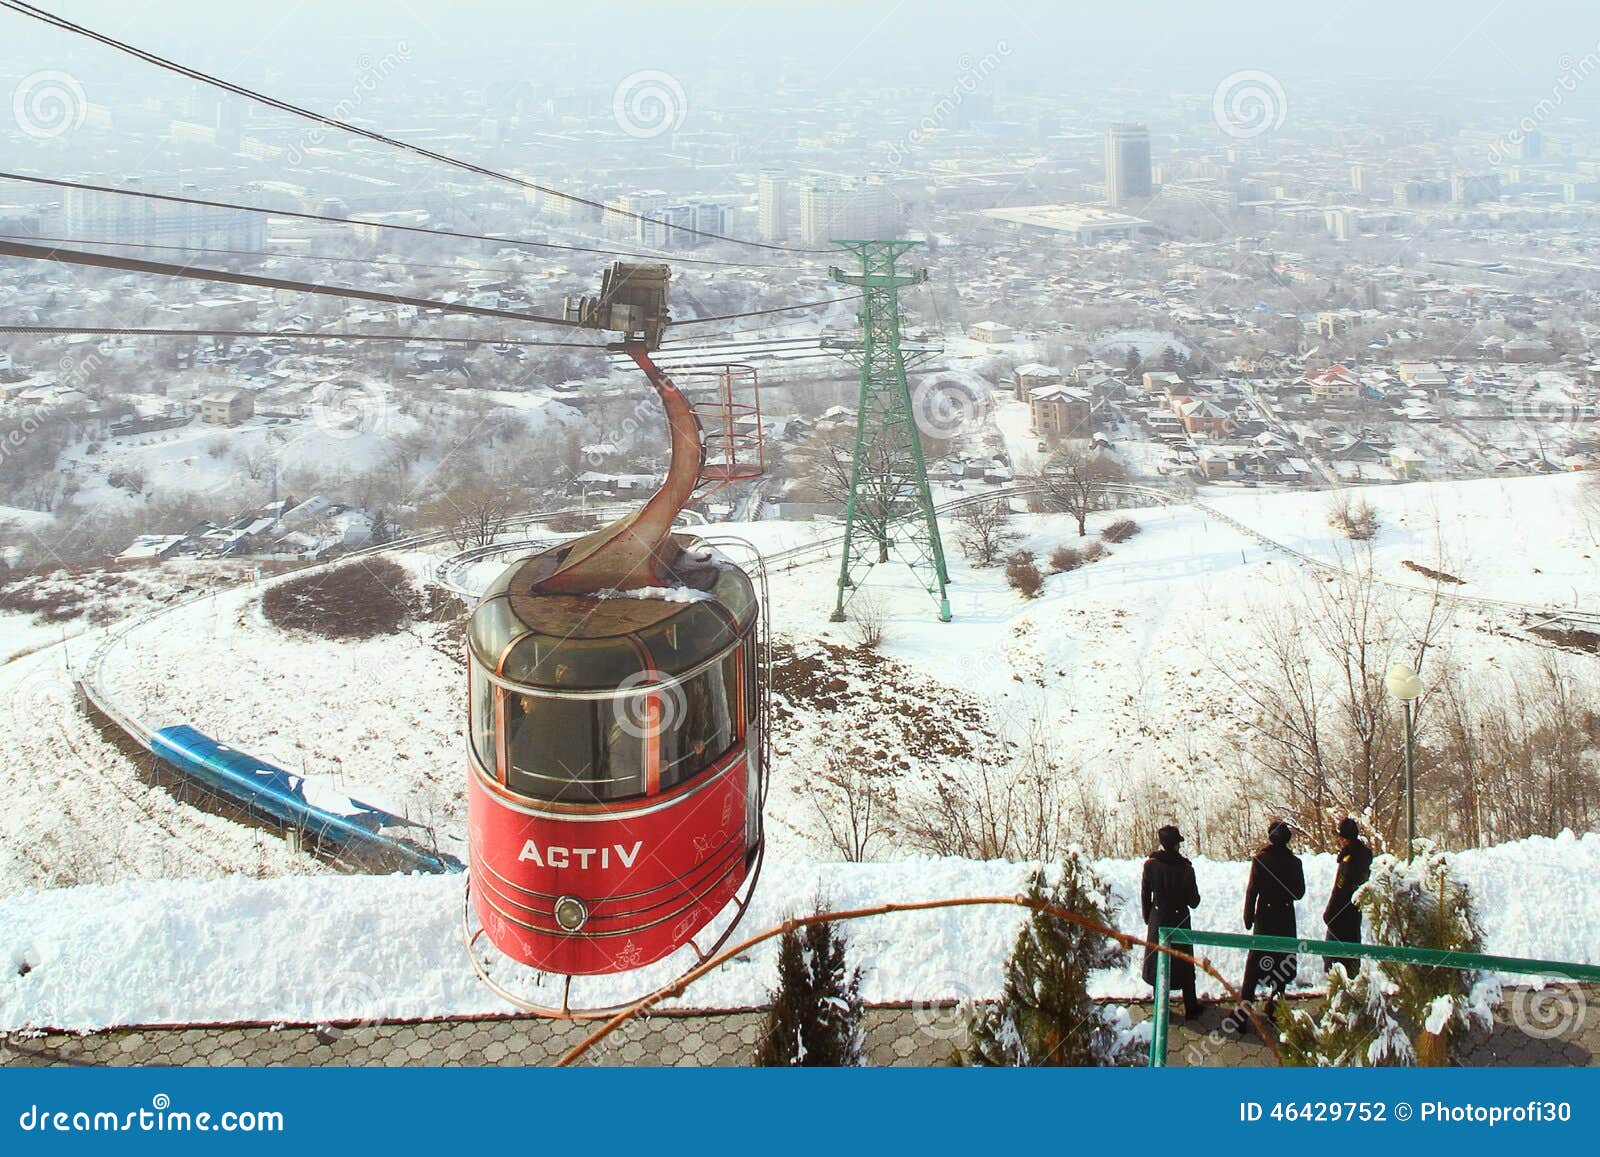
617,704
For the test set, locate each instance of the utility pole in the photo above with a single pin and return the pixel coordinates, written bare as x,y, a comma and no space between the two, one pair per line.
1408,708
889,503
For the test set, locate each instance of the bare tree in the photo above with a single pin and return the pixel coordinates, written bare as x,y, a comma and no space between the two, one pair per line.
825,462
1513,760
474,513
984,532
854,802
1324,732
868,620
256,462
1355,518
1076,479
1021,811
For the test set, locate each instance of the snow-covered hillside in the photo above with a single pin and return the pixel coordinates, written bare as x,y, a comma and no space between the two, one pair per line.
1120,677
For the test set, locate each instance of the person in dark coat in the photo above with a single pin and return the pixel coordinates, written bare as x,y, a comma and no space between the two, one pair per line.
1166,895
1276,882
1343,914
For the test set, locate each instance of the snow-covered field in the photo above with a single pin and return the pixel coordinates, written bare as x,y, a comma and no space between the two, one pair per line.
77,812
355,948
1122,668
381,714
1520,539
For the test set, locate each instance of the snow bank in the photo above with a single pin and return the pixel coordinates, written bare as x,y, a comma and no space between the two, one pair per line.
325,948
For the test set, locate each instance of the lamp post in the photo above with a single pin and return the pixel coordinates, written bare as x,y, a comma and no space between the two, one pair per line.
1406,686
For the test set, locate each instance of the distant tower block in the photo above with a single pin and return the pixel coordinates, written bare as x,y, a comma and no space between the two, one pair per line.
889,509
1127,164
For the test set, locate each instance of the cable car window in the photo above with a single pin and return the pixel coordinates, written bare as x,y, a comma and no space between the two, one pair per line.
704,713
572,750
752,696
482,696
734,591
687,639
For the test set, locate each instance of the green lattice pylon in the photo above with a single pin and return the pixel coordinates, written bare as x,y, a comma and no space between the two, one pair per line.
889,507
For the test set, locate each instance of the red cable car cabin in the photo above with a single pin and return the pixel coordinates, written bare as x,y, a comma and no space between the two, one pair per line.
615,683
615,786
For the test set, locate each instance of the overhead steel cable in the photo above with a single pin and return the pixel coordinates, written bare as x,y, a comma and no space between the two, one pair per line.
265,255
763,312
192,273
164,269
298,215
40,14
289,334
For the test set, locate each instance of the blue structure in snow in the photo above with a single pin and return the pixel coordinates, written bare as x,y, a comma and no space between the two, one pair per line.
276,795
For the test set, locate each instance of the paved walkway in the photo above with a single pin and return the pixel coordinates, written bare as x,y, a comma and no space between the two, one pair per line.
894,1037
1552,1028
1563,1030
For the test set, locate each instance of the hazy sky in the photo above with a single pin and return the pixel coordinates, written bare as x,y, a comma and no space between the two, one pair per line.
1466,48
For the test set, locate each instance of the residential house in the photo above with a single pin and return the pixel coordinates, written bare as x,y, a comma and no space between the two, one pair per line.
1203,416
1214,463
1528,350
1162,382
153,546
993,332
1334,386
1059,412
227,407
1406,463
1033,376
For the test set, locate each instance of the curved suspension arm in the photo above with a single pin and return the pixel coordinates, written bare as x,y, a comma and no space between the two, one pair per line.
637,550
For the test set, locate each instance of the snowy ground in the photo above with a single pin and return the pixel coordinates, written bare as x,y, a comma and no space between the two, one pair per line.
77,812
1519,539
1120,665
349,948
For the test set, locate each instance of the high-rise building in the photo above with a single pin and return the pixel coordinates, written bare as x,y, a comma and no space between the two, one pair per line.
16,221
709,217
835,208
1127,164
772,205
90,216
622,220
1471,188
664,235
677,221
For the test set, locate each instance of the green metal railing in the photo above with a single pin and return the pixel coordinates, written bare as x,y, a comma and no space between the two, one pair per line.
1340,949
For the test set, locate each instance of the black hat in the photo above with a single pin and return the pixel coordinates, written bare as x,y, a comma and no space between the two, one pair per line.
1348,828
1169,837
1279,833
